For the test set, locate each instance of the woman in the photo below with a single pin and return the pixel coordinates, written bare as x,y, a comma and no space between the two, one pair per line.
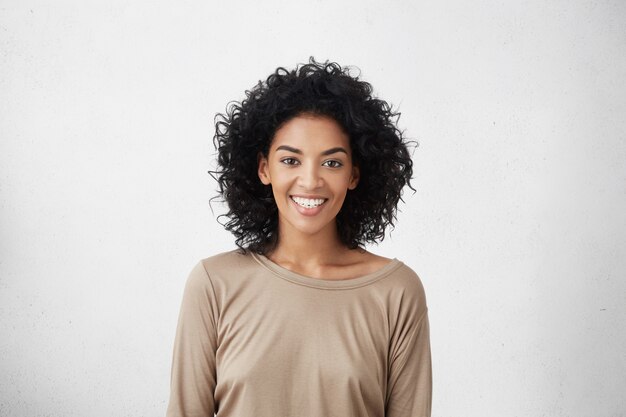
301,320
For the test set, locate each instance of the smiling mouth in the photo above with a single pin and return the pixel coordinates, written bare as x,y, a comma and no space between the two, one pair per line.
308,206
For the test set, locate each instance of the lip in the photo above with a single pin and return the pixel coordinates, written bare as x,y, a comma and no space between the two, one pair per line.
308,211
307,196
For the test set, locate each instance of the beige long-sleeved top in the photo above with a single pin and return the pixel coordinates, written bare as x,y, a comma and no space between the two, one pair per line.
255,339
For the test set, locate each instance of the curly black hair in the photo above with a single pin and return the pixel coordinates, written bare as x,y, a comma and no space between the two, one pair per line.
325,89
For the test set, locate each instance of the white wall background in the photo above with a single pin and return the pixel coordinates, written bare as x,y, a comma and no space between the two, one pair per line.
517,229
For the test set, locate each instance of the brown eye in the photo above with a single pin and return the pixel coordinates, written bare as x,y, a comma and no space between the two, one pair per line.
287,159
339,164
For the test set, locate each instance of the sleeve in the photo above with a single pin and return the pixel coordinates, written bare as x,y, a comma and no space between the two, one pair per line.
193,372
409,384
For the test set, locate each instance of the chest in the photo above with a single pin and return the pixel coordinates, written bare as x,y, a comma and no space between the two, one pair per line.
312,342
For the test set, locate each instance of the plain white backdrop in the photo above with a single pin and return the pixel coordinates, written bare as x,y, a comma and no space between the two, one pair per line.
517,229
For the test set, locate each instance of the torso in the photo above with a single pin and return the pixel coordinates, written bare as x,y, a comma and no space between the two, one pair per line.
355,264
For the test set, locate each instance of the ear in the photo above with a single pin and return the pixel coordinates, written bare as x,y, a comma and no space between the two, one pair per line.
263,169
354,178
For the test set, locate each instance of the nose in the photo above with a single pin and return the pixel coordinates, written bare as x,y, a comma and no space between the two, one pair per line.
310,178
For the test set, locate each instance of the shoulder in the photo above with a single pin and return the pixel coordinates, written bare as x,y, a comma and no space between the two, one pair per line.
410,281
205,268
405,291
402,281
212,276
229,269
225,260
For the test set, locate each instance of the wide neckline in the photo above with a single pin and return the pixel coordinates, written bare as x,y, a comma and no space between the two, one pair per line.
309,281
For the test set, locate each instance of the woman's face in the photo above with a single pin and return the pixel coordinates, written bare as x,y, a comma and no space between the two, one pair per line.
310,157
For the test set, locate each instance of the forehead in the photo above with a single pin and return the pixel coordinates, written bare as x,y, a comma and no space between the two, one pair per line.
311,132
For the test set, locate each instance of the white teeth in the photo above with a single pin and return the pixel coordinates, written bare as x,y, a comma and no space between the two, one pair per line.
308,202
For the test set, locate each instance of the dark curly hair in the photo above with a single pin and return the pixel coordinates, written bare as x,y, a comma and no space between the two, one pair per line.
324,89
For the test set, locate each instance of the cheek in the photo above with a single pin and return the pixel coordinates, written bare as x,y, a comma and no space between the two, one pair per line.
279,188
341,185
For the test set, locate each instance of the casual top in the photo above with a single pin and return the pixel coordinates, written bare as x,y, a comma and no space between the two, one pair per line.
257,339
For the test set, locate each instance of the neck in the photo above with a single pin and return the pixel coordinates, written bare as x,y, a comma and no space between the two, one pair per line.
295,247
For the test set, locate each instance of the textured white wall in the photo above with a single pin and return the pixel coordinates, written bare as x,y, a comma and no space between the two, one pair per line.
517,229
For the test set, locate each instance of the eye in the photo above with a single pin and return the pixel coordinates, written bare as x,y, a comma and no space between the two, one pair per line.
339,164
287,159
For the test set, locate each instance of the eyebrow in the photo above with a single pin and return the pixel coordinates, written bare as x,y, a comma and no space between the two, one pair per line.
298,151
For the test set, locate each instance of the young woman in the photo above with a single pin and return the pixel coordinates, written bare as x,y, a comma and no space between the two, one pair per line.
301,320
